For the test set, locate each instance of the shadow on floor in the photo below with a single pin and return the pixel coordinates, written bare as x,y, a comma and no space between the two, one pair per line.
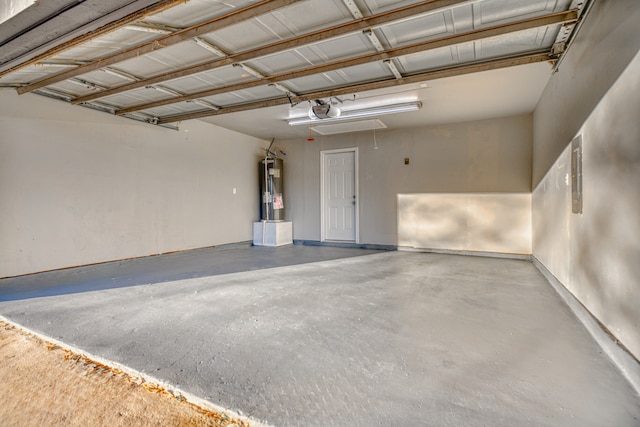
165,268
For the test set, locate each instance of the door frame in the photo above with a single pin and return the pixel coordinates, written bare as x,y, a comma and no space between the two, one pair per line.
323,154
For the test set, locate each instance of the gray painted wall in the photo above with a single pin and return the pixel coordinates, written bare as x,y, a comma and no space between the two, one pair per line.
596,94
488,156
10,8
605,46
78,186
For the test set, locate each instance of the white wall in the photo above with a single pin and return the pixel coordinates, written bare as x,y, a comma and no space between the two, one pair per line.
596,93
481,222
79,186
488,156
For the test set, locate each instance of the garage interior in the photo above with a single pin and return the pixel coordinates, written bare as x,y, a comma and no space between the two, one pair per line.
479,270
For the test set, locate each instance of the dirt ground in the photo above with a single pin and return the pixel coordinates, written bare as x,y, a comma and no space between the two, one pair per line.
43,384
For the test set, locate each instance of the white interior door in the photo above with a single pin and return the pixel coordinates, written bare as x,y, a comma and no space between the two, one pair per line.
339,196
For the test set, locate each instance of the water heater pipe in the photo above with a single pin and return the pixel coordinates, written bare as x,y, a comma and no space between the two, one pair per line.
266,185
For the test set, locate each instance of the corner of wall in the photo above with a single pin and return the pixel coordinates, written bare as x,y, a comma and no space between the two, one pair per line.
79,186
594,254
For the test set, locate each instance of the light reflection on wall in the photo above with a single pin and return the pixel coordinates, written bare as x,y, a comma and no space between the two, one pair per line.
595,254
487,222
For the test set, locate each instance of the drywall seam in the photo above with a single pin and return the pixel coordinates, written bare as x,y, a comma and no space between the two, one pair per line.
621,358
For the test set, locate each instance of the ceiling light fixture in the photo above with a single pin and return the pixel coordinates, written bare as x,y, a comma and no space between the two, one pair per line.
358,114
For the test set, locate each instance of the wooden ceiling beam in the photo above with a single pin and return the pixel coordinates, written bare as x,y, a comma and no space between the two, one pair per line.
499,30
188,33
417,78
282,45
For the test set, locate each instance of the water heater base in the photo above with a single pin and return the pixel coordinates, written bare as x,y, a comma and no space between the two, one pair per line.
272,233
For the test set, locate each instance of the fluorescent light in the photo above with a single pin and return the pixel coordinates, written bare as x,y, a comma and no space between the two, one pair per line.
357,126
357,114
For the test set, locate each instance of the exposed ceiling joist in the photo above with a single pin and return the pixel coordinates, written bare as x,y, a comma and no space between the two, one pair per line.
286,44
307,49
188,33
83,38
432,75
551,19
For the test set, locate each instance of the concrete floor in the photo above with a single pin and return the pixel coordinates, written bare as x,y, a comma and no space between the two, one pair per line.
384,338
